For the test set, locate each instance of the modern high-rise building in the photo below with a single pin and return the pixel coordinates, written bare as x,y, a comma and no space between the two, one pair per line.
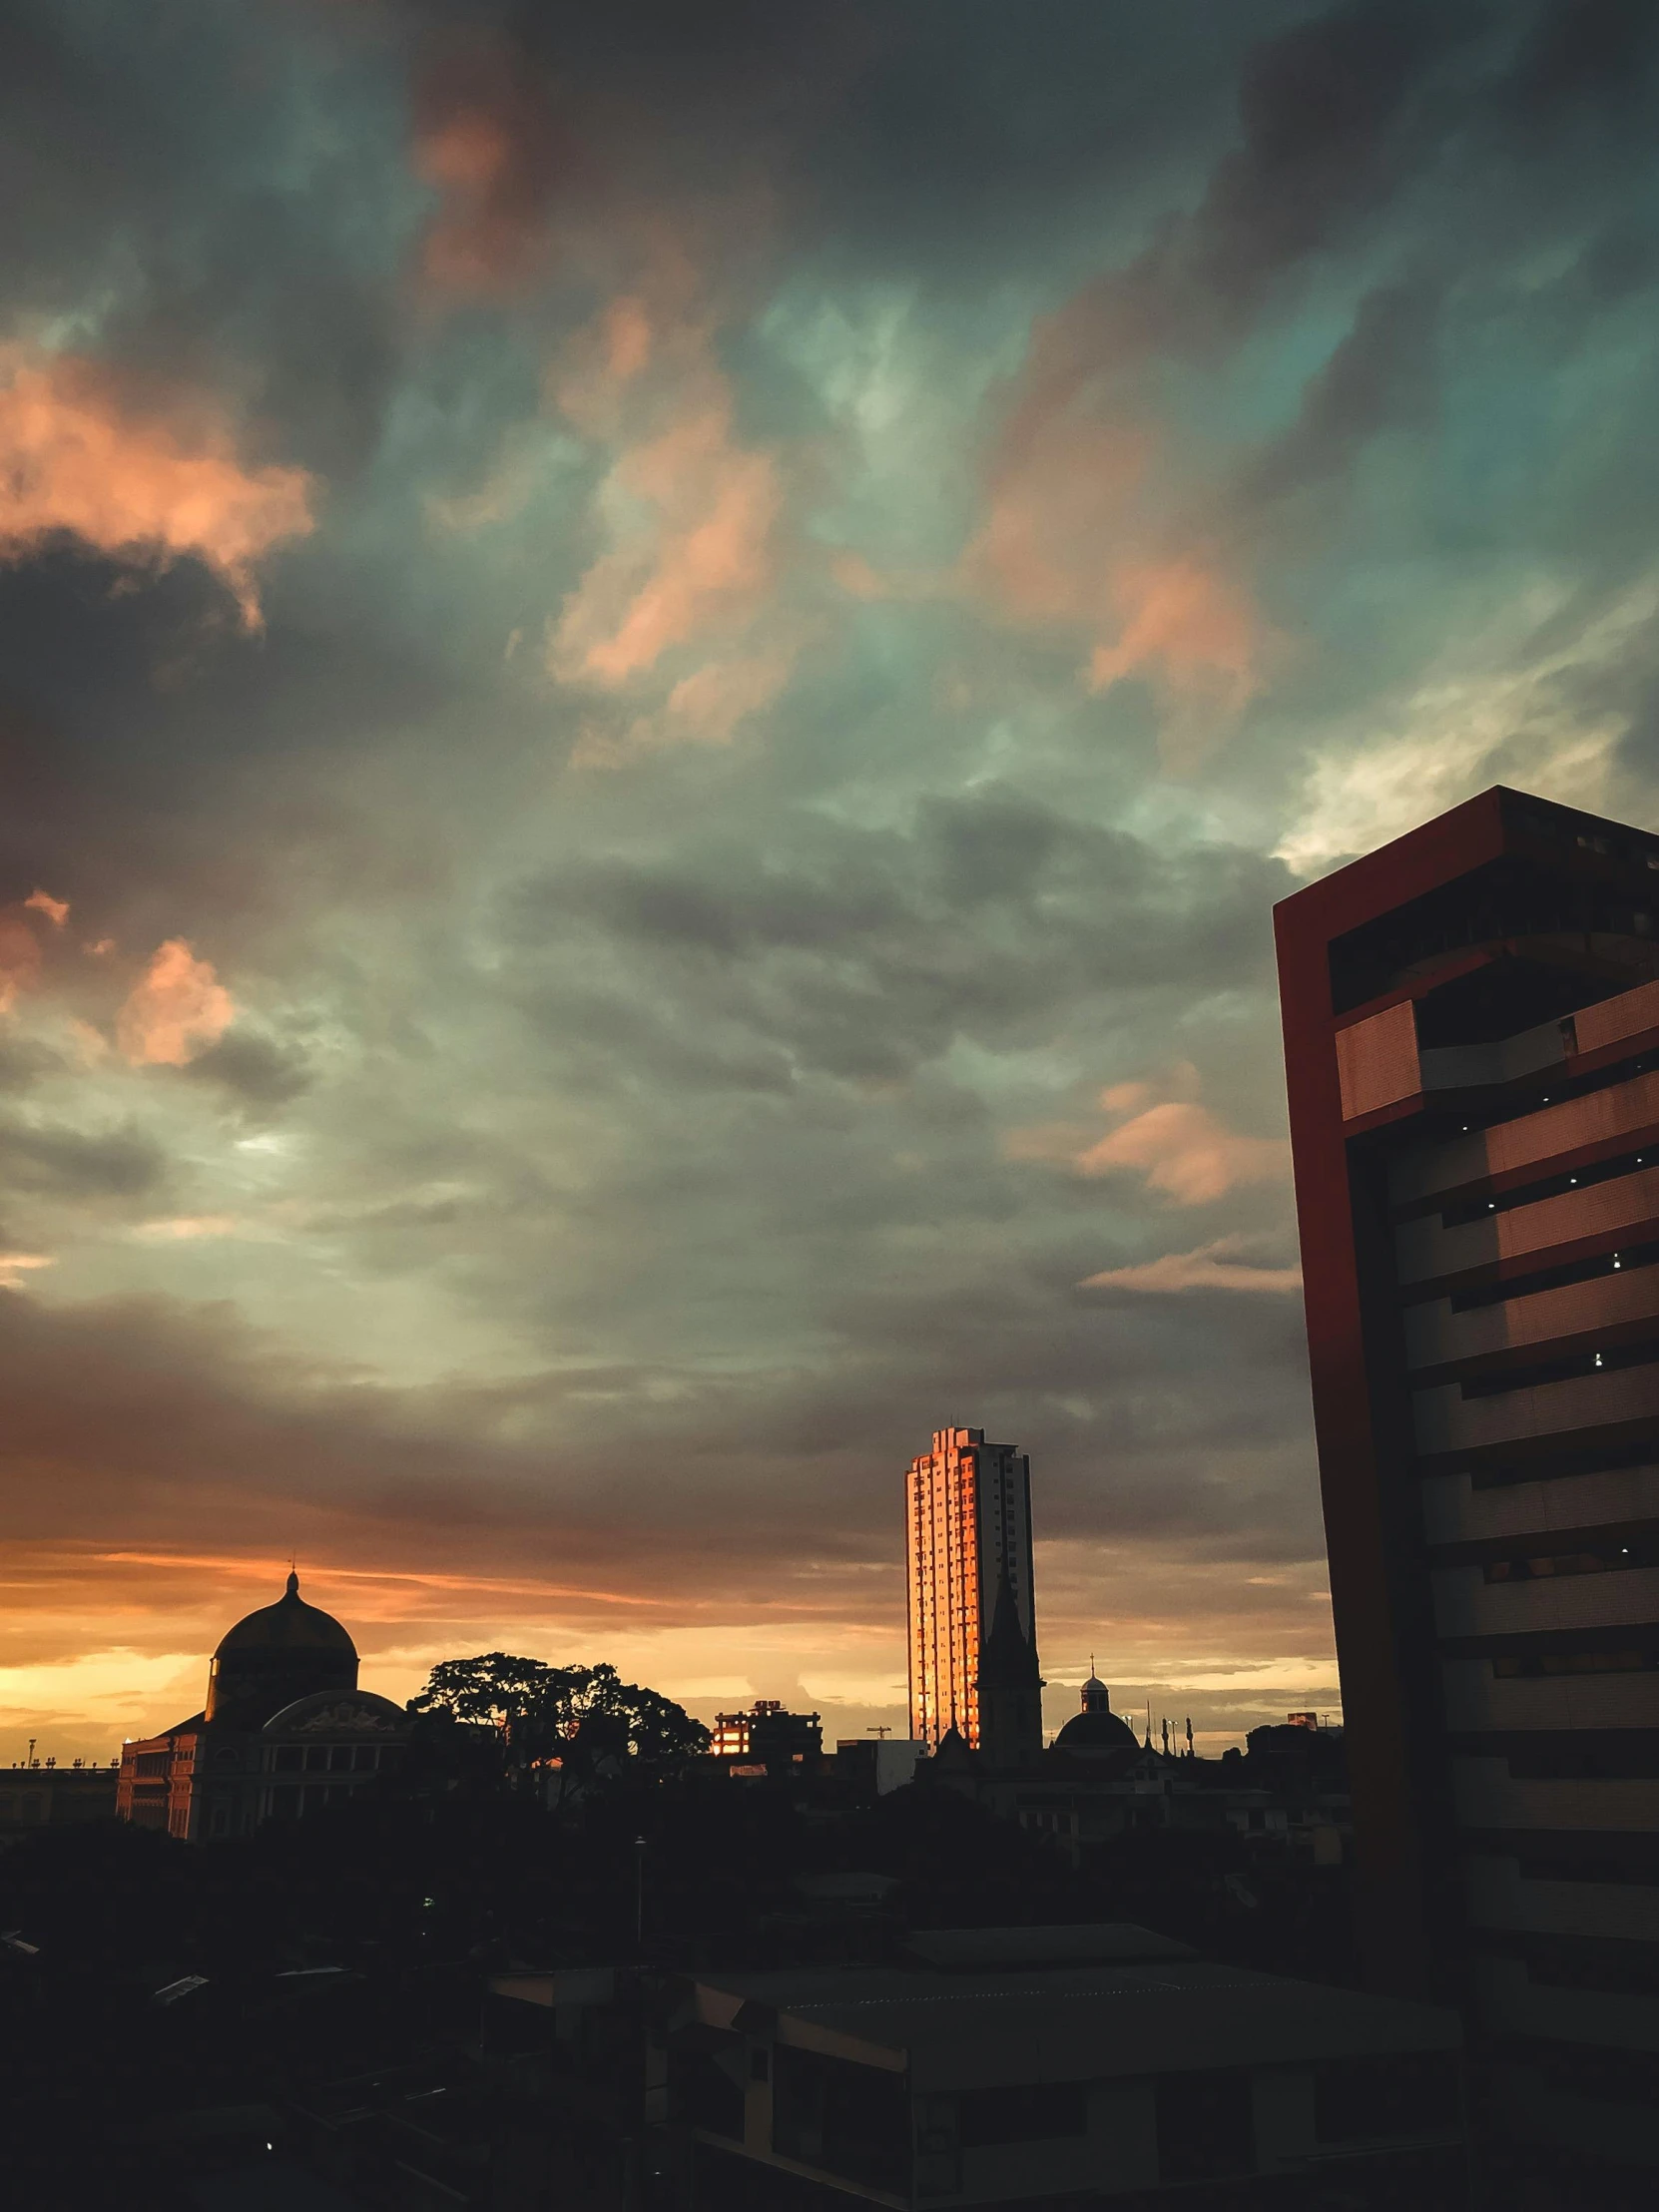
972,1617
1471,1041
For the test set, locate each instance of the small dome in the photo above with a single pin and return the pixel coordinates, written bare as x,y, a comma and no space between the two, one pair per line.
339,1713
288,1625
1096,1732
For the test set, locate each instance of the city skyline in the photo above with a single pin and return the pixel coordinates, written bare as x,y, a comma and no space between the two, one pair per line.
655,686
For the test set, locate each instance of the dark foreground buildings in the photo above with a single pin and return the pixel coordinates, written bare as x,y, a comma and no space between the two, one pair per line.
1471,1035
1060,2067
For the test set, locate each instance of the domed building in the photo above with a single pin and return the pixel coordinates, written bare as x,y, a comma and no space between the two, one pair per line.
284,1731
1096,1732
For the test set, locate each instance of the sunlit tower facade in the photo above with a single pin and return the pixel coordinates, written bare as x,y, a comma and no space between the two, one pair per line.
967,1544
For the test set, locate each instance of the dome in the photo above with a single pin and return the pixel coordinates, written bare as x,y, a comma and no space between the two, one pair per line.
1096,1732
284,1651
288,1625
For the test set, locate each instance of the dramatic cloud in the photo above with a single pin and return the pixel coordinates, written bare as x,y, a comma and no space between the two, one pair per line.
74,459
1000,511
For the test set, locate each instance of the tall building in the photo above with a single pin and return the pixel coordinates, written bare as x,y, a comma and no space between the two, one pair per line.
1471,1041
284,1731
972,1617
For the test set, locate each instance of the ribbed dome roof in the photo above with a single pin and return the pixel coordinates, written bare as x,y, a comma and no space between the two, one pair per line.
291,1625
1096,1732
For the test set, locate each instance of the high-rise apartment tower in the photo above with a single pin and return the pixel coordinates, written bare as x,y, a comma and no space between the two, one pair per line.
1471,1040
973,1639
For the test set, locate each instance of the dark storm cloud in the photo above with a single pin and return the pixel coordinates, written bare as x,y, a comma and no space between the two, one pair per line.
1381,376
115,1163
1583,57
861,952
146,153
253,1070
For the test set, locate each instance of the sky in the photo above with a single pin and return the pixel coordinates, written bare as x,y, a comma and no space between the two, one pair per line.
658,669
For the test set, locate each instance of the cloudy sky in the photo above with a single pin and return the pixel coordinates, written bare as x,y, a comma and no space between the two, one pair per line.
656,670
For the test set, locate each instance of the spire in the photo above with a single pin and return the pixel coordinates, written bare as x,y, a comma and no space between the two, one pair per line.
293,1582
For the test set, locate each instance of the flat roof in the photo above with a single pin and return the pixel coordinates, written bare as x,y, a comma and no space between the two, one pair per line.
1084,1943
966,2031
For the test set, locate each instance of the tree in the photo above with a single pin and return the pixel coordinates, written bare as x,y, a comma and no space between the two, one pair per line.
583,1718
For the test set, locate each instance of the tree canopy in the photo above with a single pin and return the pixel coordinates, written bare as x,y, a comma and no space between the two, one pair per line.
580,1717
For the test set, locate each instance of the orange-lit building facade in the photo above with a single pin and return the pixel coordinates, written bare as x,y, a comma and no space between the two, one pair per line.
1471,1033
967,1526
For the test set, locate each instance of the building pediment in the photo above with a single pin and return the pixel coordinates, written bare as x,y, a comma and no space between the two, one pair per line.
334,1713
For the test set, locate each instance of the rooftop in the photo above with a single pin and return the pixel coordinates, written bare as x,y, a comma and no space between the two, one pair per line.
976,2029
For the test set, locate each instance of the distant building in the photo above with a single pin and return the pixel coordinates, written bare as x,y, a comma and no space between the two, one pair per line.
972,1604
1471,1045
876,1764
768,1735
284,1731
1052,2067
1096,1731
44,1795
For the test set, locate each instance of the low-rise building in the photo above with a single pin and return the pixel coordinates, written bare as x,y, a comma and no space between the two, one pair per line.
1016,2066
768,1735
873,1765
42,1794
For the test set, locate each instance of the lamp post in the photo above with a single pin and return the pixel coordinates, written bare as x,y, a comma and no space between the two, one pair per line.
639,1893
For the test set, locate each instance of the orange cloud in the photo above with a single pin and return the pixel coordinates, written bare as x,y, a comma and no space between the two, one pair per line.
705,707
19,960
187,1228
71,460
1185,1153
1079,530
486,137
56,911
1183,620
601,363
701,554
14,1266
1212,1266
179,1009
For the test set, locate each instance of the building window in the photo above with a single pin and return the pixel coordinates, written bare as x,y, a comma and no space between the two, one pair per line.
842,2118
1359,2099
1032,2112
1205,2128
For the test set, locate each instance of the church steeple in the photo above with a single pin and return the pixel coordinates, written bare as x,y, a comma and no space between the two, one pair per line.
1009,1686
